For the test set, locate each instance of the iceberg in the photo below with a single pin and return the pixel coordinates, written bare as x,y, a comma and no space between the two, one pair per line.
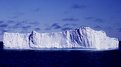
83,37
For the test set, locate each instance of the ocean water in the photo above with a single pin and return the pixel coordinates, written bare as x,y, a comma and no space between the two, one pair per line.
60,58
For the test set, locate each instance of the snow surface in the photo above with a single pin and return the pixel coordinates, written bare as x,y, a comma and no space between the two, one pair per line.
84,37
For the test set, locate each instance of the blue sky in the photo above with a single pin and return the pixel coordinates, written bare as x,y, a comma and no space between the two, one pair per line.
60,15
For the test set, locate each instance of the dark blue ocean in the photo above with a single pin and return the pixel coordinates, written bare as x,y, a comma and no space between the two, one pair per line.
60,58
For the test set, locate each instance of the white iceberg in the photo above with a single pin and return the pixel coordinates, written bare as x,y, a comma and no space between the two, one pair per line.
84,37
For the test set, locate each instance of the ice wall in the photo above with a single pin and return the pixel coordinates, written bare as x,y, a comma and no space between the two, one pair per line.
84,37
16,40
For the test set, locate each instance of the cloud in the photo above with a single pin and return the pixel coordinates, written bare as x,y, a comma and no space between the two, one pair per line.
11,21
95,19
89,18
77,6
33,23
4,30
1,22
21,24
66,28
14,17
47,28
3,25
37,29
70,24
97,27
53,26
37,10
70,19
65,12
17,25
26,27
99,20
119,29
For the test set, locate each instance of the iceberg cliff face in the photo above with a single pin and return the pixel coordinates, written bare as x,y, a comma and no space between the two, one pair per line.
83,37
16,40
